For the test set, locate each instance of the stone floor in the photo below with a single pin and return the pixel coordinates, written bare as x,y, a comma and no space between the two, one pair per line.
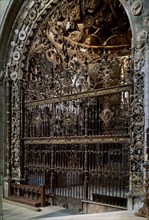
15,211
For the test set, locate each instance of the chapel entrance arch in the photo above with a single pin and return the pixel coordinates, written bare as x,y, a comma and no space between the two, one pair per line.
76,105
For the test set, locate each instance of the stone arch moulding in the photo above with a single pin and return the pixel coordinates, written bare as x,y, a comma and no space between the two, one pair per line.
29,18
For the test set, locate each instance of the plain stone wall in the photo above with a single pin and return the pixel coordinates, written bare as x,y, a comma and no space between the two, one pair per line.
3,7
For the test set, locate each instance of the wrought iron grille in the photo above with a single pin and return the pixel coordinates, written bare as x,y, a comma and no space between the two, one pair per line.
76,120
97,115
77,144
96,172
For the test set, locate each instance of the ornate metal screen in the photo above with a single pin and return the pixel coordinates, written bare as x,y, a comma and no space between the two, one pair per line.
77,135
76,104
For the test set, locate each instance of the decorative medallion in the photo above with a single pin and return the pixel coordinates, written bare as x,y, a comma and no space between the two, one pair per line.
16,55
22,35
69,119
136,7
33,14
106,114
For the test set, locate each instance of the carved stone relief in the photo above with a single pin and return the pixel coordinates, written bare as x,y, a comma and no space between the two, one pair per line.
141,39
136,7
137,126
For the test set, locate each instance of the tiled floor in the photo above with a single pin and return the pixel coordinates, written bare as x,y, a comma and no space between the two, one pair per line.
14,211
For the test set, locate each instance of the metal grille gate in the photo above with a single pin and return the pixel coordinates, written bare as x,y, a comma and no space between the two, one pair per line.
77,143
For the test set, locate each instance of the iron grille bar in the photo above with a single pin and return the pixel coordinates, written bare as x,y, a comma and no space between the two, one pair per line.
98,92
94,172
78,140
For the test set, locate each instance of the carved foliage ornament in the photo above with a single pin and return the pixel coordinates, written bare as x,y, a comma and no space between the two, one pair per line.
89,29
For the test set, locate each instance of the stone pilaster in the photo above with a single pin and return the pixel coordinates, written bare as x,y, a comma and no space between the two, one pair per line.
146,101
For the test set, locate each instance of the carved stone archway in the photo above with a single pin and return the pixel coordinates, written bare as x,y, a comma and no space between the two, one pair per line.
29,18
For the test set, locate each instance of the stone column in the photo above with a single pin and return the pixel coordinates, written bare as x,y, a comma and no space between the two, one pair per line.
141,110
